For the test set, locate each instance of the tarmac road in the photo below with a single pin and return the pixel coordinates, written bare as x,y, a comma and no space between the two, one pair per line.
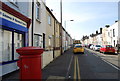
88,66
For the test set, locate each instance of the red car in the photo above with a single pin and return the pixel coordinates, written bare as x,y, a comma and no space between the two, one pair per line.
107,49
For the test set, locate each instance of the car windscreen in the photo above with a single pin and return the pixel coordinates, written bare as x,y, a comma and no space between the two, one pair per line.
109,46
98,46
78,46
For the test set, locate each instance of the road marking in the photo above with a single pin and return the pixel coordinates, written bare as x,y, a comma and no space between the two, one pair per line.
78,70
108,62
69,67
111,64
105,60
75,68
95,55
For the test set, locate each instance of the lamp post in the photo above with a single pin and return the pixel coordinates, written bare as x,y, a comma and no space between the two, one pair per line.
65,22
66,34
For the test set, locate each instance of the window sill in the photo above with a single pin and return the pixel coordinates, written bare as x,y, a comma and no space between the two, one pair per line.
38,20
15,4
8,62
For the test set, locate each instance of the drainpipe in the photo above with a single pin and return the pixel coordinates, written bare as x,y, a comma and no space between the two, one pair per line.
32,22
54,41
61,25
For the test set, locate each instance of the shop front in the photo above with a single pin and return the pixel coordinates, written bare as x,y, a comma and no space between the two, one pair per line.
13,35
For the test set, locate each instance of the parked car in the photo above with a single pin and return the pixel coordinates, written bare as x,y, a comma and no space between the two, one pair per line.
96,47
107,49
78,49
91,47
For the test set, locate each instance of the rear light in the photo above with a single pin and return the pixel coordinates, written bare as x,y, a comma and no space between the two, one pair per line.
74,48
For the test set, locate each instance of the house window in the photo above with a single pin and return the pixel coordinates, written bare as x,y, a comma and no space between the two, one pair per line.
109,34
7,52
114,43
18,42
49,20
37,40
38,10
113,32
49,42
9,42
6,48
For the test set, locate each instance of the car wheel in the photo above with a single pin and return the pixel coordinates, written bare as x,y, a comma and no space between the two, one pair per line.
74,52
82,52
113,53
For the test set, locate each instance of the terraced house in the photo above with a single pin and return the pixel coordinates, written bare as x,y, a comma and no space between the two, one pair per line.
108,35
37,31
14,26
52,40
24,24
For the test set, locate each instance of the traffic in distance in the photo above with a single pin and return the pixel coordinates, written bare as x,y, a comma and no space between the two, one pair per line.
101,48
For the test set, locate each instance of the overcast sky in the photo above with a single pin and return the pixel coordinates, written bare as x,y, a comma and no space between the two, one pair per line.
88,16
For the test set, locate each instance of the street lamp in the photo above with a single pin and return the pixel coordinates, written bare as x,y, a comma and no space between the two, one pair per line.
65,22
66,34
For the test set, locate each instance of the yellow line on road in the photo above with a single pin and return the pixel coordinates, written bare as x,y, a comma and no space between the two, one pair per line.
75,68
78,69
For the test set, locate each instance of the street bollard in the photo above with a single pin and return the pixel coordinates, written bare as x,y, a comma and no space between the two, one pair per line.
30,63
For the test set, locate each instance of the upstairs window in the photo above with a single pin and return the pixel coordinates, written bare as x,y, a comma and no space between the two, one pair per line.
38,10
113,32
109,34
49,19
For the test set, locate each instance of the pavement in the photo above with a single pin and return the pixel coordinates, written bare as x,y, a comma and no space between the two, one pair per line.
56,70
111,58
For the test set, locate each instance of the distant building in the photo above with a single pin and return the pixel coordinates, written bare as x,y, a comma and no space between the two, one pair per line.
64,39
113,34
105,36
76,42
118,32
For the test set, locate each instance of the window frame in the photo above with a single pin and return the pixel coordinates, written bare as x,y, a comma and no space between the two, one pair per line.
113,32
49,19
12,58
40,40
38,5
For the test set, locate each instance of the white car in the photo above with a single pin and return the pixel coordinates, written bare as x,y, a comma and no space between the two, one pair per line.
91,47
96,47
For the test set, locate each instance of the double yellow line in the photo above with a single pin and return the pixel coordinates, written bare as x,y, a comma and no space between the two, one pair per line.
76,69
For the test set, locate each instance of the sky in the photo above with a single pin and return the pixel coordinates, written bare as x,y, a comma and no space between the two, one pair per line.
88,16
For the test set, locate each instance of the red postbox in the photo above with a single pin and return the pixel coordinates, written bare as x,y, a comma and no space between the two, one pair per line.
30,62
